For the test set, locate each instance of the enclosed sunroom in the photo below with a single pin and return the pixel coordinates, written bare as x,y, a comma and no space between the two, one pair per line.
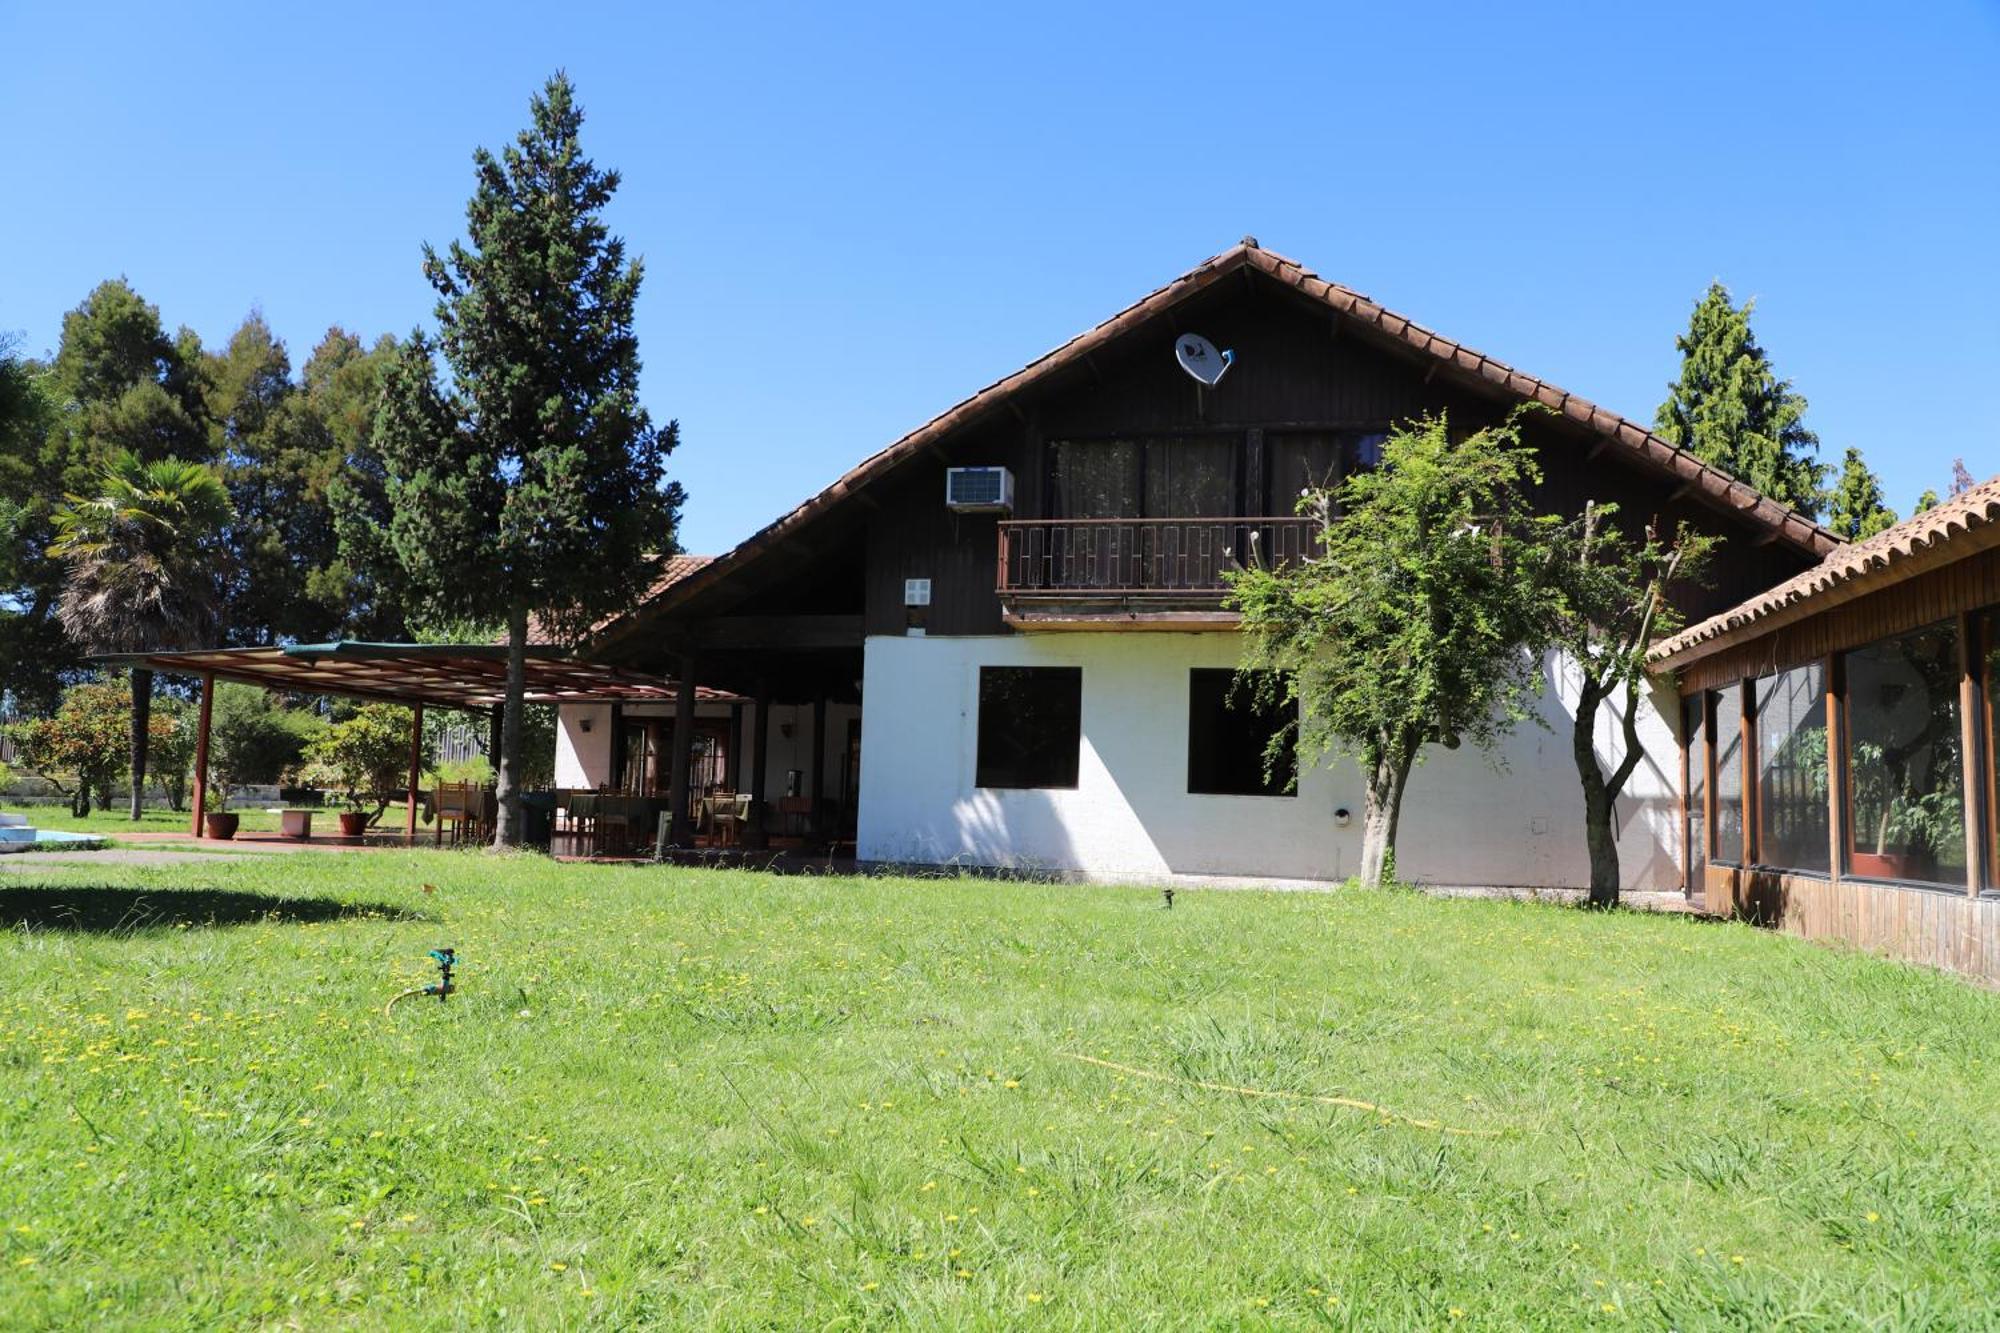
1838,756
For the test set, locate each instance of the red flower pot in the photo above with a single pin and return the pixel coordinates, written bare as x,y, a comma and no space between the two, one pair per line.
221,824
353,823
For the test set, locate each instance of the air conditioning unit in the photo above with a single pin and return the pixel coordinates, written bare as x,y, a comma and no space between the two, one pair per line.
973,490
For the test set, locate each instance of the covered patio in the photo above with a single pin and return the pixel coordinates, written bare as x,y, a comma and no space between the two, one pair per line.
465,677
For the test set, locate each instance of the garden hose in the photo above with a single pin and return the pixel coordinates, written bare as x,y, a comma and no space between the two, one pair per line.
1352,1103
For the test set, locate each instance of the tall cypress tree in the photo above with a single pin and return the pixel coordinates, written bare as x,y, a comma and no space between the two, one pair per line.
1730,409
533,480
1856,507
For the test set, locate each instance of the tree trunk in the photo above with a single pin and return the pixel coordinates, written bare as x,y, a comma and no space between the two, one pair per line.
142,717
507,773
1387,777
1600,792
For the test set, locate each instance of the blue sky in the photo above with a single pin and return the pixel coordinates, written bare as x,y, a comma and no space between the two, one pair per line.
852,216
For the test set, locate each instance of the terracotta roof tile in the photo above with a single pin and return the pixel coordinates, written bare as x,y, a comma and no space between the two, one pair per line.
1912,547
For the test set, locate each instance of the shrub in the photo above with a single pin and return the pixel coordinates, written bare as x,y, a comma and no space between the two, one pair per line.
84,748
253,738
364,756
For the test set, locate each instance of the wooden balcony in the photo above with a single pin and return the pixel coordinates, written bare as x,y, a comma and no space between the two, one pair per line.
1166,559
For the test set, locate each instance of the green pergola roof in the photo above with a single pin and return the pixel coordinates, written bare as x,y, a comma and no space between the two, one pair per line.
449,675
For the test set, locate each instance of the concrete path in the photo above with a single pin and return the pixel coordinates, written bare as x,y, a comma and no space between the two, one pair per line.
117,856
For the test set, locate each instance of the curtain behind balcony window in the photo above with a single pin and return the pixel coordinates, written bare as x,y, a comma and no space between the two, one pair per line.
1095,479
1191,478
1302,461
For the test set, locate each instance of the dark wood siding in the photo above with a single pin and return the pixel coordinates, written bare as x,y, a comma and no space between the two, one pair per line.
1296,368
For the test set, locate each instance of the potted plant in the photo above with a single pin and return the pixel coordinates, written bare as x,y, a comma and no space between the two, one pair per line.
221,822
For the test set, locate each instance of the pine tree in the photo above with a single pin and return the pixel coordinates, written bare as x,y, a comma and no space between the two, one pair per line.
1730,409
534,480
1856,509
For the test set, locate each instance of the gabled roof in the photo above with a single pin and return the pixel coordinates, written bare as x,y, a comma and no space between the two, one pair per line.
1452,360
1951,531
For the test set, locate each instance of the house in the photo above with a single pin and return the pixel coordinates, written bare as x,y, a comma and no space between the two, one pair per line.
1839,758
1031,668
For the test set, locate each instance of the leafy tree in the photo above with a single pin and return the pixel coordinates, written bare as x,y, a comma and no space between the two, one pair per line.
118,383
143,554
79,748
1928,500
534,480
1962,479
365,755
1613,599
170,756
254,738
34,656
1730,409
1856,508
283,446
1411,625
126,385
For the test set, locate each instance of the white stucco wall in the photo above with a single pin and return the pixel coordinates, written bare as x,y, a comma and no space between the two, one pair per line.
1131,815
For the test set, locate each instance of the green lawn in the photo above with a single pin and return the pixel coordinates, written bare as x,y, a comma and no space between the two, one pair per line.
117,823
671,1097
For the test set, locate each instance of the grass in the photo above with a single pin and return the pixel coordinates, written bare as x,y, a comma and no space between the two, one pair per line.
675,1097
118,822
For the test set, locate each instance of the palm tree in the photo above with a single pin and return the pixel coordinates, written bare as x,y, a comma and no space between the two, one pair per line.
144,570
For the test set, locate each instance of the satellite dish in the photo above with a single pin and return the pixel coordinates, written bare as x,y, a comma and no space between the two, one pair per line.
1199,358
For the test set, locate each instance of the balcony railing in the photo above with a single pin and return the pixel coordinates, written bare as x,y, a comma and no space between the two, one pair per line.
1141,557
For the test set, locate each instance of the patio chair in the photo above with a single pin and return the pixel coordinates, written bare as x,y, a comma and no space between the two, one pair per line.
455,807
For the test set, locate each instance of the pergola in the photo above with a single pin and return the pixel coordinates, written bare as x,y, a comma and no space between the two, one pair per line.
467,676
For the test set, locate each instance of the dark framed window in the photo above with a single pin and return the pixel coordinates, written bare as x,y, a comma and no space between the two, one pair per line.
1728,714
1694,727
1030,726
1232,724
1298,461
1905,776
1792,807
1189,476
1987,627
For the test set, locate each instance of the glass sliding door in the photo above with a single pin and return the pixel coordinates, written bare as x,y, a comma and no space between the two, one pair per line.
1791,805
1728,712
1694,726
1906,788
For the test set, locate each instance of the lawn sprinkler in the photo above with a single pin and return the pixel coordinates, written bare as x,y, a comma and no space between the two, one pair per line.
447,959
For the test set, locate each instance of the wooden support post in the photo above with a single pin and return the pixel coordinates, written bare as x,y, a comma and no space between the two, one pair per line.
755,834
732,777
819,769
496,722
416,772
201,752
615,748
1708,806
1746,759
677,788
1836,766
649,772
1968,730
